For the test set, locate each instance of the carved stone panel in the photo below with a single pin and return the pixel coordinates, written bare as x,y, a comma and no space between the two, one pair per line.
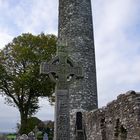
62,117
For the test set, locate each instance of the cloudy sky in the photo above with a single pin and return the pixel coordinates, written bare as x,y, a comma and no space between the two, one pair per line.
116,31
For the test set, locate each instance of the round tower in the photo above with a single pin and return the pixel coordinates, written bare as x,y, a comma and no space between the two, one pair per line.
76,32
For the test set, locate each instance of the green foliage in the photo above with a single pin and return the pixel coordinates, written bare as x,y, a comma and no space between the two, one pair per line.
11,136
49,129
31,123
40,135
20,81
42,127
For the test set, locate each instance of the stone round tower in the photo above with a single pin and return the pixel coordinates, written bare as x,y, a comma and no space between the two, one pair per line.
76,32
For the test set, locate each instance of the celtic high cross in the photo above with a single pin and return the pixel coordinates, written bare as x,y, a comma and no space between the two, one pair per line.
62,70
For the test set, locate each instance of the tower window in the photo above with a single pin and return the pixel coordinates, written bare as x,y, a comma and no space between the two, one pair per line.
79,121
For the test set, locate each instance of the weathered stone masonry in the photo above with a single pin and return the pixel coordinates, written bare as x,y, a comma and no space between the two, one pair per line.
76,30
119,120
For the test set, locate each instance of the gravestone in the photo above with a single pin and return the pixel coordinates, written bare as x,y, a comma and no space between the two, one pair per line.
31,136
23,137
45,137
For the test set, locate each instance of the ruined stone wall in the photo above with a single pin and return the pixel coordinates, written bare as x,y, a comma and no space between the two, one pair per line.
119,120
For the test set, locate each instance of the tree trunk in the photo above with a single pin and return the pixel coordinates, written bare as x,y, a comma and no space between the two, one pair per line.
23,127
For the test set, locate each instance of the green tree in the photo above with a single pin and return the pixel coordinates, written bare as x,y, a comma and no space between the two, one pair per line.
32,122
20,81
